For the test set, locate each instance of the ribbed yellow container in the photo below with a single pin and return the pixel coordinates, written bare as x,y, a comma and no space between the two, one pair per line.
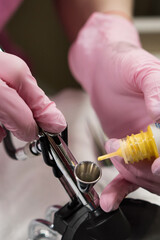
138,147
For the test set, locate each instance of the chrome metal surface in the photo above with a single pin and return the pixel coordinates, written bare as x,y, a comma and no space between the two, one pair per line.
40,229
30,150
87,175
20,154
66,163
49,215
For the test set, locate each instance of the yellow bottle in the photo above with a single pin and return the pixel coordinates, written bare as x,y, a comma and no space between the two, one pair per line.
144,145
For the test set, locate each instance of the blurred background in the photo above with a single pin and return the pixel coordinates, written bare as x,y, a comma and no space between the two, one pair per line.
36,29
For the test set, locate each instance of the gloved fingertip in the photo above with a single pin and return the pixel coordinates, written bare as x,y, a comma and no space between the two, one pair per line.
108,204
59,123
155,168
28,133
112,145
51,119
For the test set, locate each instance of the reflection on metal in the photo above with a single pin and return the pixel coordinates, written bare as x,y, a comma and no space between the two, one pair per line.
66,163
40,229
87,175
49,215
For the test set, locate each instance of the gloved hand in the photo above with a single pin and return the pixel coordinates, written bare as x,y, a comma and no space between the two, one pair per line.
131,176
123,82
122,79
23,104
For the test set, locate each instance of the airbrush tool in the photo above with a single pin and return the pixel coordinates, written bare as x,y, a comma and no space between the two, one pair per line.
82,217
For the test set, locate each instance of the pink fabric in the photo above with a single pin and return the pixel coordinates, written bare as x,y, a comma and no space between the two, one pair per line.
23,103
121,78
7,8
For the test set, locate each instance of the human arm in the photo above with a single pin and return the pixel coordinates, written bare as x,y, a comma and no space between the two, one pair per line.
75,13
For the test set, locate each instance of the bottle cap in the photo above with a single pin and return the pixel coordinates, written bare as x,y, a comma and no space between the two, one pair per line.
155,128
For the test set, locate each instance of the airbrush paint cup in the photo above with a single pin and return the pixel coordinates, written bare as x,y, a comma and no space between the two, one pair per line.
87,175
144,145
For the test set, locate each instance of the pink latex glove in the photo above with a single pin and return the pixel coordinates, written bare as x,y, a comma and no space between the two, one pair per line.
123,82
23,104
131,176
122,79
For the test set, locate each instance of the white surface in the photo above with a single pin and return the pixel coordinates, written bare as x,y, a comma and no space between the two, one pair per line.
27,188
147,24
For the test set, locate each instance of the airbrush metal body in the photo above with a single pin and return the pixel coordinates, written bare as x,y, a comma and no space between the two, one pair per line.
66,163
57,155
81,218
